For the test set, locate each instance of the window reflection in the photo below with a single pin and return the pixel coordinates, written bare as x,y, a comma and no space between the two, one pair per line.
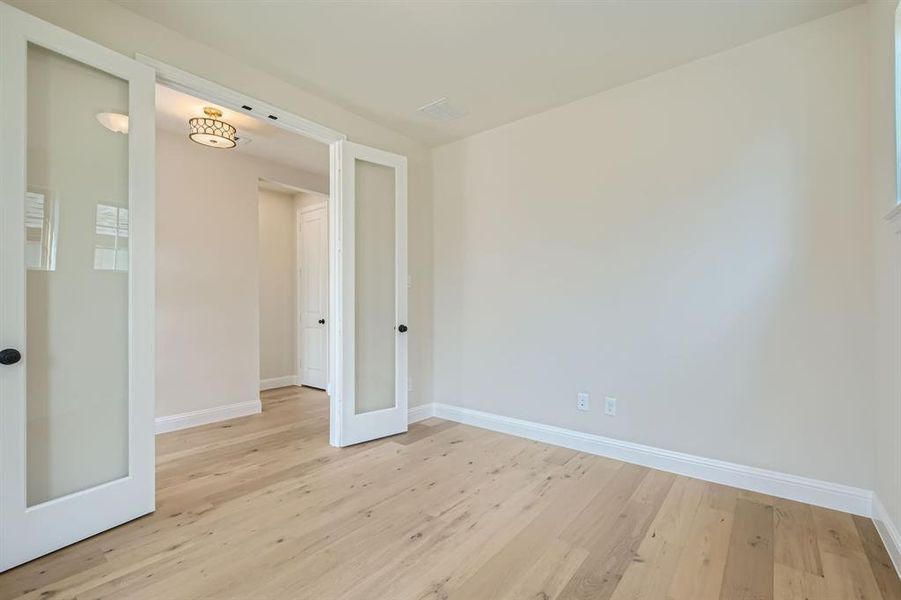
111,238
41,222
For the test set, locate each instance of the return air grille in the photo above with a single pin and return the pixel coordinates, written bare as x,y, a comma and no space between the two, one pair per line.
441,110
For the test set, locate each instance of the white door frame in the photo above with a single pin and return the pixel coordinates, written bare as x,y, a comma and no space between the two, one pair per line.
298,285
198,86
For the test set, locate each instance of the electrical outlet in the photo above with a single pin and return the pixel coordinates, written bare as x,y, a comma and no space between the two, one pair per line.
610,406
582,401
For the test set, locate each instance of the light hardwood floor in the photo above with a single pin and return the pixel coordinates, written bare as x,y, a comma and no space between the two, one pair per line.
262,507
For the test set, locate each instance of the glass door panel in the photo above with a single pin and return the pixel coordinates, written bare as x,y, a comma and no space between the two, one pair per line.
76,285
375,287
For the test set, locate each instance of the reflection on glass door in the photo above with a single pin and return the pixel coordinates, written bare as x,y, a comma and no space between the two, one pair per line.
41,218
76,254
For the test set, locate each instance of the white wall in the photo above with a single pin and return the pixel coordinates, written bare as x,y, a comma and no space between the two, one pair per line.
127,32
305,199
888,260
278,293
208,299
697,244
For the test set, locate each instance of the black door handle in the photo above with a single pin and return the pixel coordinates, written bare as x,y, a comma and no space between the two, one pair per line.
322,321
10,356
402,328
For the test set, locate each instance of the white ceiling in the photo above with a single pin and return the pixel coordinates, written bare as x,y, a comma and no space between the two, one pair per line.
174,108
499,61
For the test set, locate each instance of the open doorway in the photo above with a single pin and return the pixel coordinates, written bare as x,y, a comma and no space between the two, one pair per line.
367,336
227,217
361,250
368,282
293,287
183,255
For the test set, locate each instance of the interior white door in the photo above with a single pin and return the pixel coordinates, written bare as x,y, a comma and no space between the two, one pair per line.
371,222
77,289
313,262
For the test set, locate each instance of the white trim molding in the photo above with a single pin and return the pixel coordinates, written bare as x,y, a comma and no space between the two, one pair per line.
189,83
888,531
313,207
853,500
420,413
277,382
207,415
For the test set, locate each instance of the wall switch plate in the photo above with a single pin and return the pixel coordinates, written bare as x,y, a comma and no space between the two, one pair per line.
610,406
409,384
582,401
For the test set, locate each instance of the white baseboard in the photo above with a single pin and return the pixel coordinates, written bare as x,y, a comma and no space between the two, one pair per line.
207,415
420,413
888,531
812,491
277,382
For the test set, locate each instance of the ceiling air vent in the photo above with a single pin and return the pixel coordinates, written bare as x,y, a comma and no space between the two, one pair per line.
441,110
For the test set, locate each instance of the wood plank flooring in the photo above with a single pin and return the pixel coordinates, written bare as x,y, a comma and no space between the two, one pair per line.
262,507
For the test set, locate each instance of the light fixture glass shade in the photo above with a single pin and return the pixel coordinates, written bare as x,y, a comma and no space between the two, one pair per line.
115,122
212,132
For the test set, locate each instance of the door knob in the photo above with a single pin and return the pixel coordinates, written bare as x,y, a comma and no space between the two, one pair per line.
10,356
402,328
322,321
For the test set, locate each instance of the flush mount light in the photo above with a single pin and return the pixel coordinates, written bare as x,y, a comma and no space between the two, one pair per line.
212,132
115,122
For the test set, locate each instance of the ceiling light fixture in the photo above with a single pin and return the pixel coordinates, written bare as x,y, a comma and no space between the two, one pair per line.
115,122
211,131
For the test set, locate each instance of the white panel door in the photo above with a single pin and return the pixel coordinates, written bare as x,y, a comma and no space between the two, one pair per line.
371,371
313,296
77,289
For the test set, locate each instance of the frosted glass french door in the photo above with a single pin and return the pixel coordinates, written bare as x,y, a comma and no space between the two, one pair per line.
372,275
76,296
